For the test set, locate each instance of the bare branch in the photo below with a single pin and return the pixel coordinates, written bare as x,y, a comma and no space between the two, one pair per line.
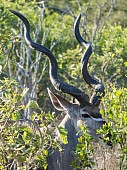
107,17
96,28
104,22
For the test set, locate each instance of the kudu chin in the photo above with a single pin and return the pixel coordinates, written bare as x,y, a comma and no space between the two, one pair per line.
85,112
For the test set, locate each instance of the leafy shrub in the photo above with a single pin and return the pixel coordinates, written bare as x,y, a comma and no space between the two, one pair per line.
24,143
115,112
84,151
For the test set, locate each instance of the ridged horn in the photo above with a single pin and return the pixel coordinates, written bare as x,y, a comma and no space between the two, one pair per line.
98,86
59,85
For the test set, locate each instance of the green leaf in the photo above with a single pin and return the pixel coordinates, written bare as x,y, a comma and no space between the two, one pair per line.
63,134
19,141
45,152
125,64
15,116
32,104
24,92
25,137
40,157
27,129
21,158
80,139
0,68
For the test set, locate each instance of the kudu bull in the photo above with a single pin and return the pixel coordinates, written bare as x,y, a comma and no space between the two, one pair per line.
86,110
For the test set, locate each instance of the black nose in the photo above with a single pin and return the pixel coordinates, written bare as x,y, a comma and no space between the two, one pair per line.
109,143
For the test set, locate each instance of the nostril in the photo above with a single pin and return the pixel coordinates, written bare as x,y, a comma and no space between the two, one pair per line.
109,143
100,137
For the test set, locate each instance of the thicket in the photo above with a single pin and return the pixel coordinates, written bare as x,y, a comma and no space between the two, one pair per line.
52,25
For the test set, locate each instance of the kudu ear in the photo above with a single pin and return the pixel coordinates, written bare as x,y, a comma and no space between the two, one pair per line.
59,102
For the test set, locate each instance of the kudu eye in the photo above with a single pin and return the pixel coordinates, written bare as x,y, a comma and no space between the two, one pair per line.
85,116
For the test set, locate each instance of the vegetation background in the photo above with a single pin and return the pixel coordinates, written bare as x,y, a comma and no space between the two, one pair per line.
24,75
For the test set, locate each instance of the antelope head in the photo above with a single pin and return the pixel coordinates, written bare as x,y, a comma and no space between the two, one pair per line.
87,109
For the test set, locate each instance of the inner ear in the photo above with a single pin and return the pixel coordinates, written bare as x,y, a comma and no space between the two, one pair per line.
59,102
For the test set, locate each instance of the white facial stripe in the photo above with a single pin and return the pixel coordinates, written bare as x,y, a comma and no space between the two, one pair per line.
98,119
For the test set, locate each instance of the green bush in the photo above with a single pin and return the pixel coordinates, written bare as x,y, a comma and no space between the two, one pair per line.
24,143
115,104
84,150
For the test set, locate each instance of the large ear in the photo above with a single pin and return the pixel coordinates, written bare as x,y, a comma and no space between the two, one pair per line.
59,102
